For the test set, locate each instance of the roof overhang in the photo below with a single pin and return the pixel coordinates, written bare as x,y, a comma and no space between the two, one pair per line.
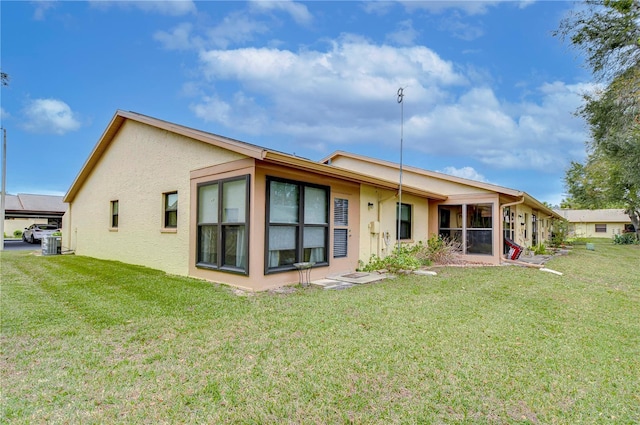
343,173
33,214
121,117
507,192
242,148
420,171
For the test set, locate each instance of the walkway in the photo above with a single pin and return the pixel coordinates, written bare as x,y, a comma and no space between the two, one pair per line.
347,280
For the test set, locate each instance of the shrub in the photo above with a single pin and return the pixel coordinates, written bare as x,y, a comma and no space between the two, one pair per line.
438,250
17,233
403,258
540,249
625,239
443,250
560,231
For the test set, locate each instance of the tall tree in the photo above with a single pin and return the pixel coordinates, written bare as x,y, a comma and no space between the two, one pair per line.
601,183
608,32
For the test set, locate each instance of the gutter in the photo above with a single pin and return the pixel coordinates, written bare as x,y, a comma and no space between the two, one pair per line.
500,225
521,201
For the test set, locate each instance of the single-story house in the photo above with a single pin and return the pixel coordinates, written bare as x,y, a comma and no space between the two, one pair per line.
479,215
602,223
195,203
23,210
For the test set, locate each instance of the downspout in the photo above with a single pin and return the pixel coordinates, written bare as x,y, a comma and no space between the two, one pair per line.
379,235
521,201
71,234
502,207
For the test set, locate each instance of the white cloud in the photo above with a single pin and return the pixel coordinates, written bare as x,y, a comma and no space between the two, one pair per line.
460,28
541,135
346,95
405,35
464,172
298,11
214,109
343,93
351,65
523,4
379,8
211,108
162,7
237,27
179,38
4,114
49,116
41,8
469,7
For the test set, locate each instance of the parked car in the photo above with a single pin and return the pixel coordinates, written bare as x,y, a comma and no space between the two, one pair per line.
36,232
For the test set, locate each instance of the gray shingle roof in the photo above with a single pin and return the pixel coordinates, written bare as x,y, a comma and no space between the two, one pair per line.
25,202
595,216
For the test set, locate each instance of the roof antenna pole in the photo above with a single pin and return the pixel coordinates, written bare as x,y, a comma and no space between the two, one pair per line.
399,218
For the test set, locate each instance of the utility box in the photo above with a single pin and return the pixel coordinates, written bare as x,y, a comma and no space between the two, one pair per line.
374,227
51,245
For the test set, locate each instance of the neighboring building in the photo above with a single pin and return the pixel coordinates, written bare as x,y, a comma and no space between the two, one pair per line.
602,223
23,210
194,203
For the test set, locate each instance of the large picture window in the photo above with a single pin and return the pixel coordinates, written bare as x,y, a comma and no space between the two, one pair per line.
297,224
479,229
451,222
470,224
223,239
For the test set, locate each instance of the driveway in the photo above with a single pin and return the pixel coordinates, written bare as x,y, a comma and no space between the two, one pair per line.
18,245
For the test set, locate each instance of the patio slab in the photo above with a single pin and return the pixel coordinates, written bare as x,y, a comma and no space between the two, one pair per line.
347,280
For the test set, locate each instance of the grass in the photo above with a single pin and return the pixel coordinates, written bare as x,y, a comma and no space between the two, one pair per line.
90,341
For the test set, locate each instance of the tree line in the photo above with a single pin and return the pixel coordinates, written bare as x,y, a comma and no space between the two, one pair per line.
607,32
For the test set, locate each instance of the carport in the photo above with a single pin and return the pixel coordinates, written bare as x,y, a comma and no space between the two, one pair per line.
23,209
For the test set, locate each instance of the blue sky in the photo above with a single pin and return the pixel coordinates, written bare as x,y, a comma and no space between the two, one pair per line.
489,93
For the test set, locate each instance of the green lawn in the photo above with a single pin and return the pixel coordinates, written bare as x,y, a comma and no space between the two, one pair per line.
89,341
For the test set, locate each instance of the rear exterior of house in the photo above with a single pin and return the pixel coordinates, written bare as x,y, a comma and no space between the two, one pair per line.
254,220
478,215
601,223
117,209
196,204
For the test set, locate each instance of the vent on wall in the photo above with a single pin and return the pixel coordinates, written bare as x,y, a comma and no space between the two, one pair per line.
339,243
340,212
340,231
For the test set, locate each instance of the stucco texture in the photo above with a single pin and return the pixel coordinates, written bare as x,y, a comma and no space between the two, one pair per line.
139,166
